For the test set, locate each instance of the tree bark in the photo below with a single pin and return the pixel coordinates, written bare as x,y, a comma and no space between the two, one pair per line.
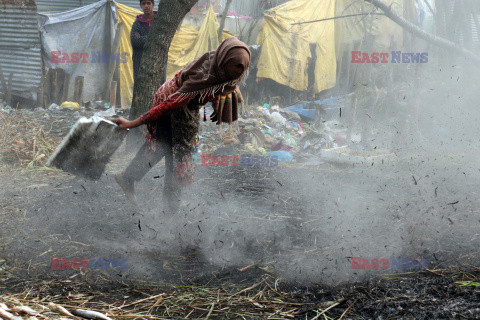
155,53
407,25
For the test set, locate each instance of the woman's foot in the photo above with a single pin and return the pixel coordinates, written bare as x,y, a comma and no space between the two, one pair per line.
127,187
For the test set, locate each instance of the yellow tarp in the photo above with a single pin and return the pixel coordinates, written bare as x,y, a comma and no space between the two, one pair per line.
286,47
127,15
206,40
182,42
189,43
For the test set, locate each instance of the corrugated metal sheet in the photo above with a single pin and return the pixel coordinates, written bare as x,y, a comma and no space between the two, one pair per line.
20,46
59,5
64,5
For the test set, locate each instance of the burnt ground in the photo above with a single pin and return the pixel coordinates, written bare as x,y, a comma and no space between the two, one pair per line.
294,223
285,234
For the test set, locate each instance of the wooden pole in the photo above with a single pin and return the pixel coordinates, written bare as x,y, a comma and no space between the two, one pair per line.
53,85
113,94
312,63
41,94
8,97
66,85
58,78
46,88
78,92
113,61
4,84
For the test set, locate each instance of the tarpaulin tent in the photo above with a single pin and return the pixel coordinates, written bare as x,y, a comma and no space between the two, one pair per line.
82,30
285,45
127,15
188,44
383,33
286,50
206,40
182,42
76,40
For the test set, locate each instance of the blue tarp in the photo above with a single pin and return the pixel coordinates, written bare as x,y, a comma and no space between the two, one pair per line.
302,110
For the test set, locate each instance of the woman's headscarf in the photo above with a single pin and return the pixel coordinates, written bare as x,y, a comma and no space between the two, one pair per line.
208,75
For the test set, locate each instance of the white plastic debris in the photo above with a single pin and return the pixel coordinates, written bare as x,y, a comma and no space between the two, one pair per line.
107,113
54,106
277,118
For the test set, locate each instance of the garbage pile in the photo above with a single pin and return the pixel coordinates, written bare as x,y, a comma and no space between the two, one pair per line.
299,133
292,136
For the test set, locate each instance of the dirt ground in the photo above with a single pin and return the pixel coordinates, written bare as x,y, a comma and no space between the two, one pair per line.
284,234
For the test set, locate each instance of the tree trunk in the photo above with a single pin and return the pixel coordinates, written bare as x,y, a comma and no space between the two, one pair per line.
407,25
155,53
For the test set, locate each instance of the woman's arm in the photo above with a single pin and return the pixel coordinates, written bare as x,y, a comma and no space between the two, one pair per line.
127,124
166,106
153,114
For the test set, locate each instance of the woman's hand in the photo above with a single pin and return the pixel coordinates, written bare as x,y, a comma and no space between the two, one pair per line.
239,95
127,124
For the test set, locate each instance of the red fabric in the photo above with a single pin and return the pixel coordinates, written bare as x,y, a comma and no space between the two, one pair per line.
141,18
166,100
165,107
